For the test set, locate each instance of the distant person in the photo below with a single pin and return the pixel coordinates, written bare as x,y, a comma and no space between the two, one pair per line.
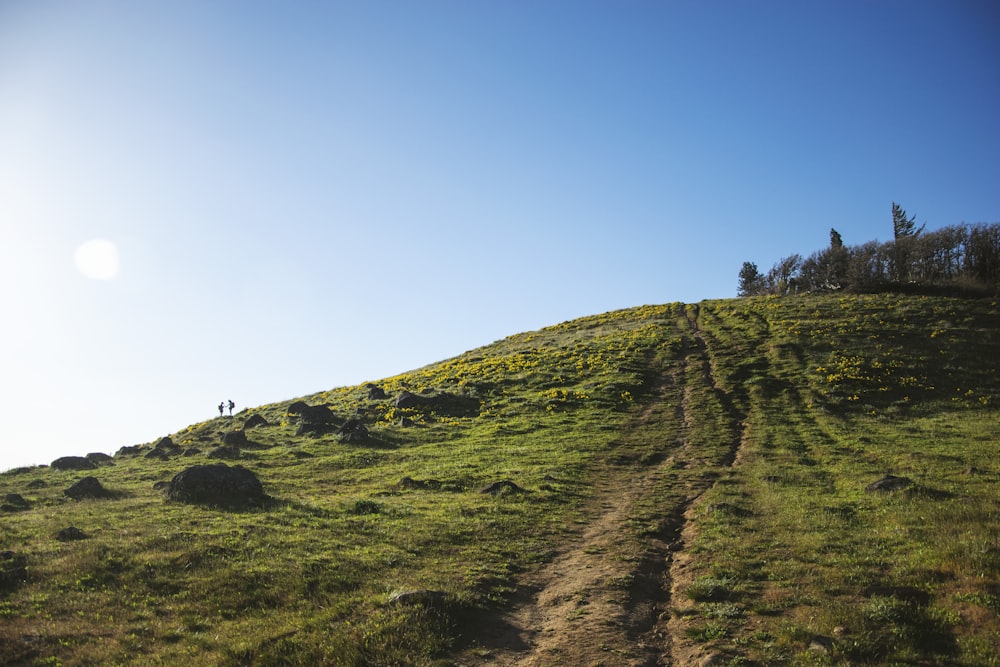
222,408
231,406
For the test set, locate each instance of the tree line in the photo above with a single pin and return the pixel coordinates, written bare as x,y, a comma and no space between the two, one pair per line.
960,258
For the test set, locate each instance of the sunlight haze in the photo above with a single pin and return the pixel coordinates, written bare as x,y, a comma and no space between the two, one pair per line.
205,201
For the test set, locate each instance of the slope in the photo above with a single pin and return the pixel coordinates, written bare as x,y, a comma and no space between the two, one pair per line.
668,484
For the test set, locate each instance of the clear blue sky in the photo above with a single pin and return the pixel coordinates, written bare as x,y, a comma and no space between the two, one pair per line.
303,195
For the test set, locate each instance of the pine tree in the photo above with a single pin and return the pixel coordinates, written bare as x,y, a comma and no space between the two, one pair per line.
901,226
835,240
751,280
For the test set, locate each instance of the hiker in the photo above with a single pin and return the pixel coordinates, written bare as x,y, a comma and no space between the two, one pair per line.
231,406
222,407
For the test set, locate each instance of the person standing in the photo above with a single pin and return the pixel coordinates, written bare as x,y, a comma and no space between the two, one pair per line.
231,406
222,407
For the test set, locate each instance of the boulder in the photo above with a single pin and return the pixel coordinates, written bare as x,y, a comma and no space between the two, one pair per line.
129,450
297,407
442,403
888,483
423,597
71,534
235,439
167,445
375,392
217,484
353,431
224,452
13,570
502,488
254,421
100,458
317,414
88,487
73,463
14,502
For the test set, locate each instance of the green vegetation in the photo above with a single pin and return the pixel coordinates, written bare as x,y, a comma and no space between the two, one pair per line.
954,260
764,419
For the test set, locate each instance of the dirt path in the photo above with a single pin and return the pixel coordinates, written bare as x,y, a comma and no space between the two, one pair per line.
606,598
591,604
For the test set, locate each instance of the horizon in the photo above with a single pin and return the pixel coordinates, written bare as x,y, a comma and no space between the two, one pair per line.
202,203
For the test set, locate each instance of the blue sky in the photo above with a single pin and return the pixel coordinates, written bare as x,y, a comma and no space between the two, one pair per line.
310,195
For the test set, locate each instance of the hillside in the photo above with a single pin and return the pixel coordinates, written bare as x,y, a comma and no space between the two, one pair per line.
663,485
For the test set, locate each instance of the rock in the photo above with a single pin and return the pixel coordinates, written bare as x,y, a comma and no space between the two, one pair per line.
405,422
73,463
224,452
410,483
353,431
235,439
157,454
375,392
502,488
297,407
191,451
167,445
217,484
88,487
161,486
71,534
129,450
100,458
426,598
14,502
13,570
442,403
888,483
317,414
36,484
254,421
821,645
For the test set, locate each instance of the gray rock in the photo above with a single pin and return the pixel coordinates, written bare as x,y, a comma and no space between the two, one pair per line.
88,487
888,483
73,463
217,484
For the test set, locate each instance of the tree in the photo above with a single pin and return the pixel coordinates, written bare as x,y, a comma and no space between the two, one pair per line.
751,280
835,240
901,226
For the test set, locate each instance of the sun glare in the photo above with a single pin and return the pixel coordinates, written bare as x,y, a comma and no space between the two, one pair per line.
98,259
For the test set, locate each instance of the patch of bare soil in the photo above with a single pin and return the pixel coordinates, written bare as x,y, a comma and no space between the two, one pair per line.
592,604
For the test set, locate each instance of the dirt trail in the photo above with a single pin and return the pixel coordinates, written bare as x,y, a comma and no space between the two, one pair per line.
590,605
599,602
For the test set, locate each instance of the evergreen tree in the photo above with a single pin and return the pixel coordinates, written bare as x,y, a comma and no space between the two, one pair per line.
751,280
835,240
902,227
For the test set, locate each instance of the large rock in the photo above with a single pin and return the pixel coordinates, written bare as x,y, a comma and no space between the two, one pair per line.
88,487
353,431
255,420
442,403
13,570
375,392
888,483
235,439
73,463
217,484
129,450
100,458
14,502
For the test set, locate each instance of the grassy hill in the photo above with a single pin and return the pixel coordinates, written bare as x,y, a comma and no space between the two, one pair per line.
683,484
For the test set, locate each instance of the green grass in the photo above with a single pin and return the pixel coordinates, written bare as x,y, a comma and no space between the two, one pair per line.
782,411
